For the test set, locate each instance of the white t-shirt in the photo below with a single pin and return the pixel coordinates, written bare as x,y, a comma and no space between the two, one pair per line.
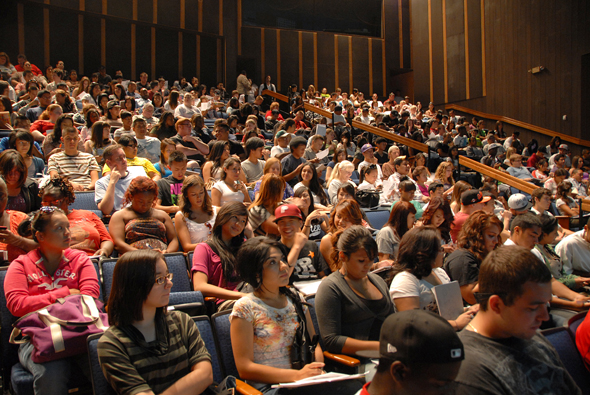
574,251
406,285
149,148
227,195
277,150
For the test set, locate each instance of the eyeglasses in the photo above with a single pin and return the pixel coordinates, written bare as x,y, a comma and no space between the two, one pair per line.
162,279
49,209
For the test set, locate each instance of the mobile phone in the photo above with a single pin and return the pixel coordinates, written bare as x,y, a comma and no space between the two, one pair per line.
3,228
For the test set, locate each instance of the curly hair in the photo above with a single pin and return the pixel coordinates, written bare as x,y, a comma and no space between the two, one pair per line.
349,209
59,186
438,203
440,173
471,235
184,202
138,185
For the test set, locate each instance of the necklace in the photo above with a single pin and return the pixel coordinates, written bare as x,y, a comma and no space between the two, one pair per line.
472,327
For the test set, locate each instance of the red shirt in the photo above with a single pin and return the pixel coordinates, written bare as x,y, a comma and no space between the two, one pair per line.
583,340
365,389
15,218
87,231
457,224
532,162
28,286
43,126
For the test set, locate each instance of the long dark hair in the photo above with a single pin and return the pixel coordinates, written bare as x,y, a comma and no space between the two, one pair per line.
315,186
185,204
97,134
417,250
215,155
227,252
398,219
300,192
133,279
437,203
252,256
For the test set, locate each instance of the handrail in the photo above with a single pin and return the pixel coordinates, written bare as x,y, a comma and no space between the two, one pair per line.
520,124
371,129
506,178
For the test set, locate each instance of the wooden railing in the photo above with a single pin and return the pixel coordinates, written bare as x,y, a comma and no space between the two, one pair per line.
505,178
371,129
520,124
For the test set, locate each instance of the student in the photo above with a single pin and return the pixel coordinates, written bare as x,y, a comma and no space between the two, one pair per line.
191,146
369,159
573,250
419,353
253,167
418,270
111,188
81,168
402,168
230,188
127,120
148,349
517,170
214,266
514,289
303,255
281,145
167,146
169,188
261,211
525,231
147,147
293,162
129,145
380,154
471,201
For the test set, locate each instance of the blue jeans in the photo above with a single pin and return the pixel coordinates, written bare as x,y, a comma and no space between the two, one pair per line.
49,378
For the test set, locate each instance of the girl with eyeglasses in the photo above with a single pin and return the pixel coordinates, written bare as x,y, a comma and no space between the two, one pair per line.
148,349
38,279
214,263
418,271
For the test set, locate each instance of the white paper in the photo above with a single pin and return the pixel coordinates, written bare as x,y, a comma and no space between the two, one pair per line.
205,106
319,379
308,287
449,300
321,130
322,154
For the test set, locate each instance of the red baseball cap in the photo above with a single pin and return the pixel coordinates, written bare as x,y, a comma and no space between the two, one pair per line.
287,210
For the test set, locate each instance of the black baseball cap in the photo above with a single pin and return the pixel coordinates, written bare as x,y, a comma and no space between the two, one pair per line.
417,336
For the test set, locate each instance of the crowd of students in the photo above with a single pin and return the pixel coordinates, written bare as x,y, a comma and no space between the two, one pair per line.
267,199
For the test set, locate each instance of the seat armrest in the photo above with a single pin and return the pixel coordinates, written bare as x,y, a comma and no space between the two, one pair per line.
246,389
343,359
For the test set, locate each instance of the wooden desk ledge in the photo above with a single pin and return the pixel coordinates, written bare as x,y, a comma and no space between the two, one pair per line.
246,389
343,359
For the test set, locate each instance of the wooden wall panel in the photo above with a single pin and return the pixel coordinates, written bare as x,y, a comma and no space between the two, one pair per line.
121,9
209,61
360,65
308,59
391,32
420,42
455,51
72,4
189,58
91,44
211,21
143,50
406,34
438,87
33,16
145,11
230,32
270,50
191,16
326,62
343,69
251,50
9,23
377,57
169,13
118,37
475,49
166,53
96,6
289,58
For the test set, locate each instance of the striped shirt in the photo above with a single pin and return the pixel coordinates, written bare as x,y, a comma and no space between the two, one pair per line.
131,365
76,168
